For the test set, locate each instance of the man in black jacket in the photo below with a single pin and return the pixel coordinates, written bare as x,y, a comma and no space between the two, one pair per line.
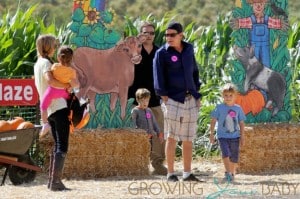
143,78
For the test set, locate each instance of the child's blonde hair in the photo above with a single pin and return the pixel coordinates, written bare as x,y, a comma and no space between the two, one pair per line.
230,88
45,44
142,93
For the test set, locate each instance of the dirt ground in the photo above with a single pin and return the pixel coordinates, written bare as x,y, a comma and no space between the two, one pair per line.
267,185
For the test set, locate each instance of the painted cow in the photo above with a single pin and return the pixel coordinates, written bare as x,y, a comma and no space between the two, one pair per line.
108,71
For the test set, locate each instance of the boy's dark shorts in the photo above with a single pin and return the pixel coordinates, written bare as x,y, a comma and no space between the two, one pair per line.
230,147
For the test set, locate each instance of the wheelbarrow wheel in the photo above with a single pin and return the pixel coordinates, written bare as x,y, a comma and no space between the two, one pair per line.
18,175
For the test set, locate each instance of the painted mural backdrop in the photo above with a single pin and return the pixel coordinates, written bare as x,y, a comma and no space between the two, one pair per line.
93,27
260,68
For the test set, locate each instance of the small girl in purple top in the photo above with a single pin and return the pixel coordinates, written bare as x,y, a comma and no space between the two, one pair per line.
142,115
143,118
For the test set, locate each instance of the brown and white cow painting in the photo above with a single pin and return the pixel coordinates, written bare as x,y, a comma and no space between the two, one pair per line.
108,71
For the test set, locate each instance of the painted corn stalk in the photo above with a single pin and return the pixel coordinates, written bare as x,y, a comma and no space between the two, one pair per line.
260,68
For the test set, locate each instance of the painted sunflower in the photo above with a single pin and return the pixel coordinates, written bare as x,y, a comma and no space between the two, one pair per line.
91,16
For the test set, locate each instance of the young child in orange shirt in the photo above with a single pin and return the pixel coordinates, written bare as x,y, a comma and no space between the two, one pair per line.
64,73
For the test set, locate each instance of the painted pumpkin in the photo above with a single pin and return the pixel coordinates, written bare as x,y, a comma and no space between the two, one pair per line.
253,102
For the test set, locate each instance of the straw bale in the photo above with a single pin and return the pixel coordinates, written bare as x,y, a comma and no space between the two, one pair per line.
270,147
96,153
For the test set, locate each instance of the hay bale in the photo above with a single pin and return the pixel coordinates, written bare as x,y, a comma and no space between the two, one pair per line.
96,153
270,147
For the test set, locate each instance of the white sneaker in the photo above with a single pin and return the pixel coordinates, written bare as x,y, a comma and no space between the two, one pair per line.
45,130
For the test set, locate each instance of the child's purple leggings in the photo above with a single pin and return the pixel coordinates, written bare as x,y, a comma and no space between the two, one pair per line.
50,94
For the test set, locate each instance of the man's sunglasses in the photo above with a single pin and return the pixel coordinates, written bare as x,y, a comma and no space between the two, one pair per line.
171,35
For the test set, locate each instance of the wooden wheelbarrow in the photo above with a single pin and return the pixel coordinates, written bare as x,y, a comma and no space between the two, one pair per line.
15,155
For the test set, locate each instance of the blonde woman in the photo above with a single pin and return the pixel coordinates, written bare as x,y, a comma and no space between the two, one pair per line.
57,112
